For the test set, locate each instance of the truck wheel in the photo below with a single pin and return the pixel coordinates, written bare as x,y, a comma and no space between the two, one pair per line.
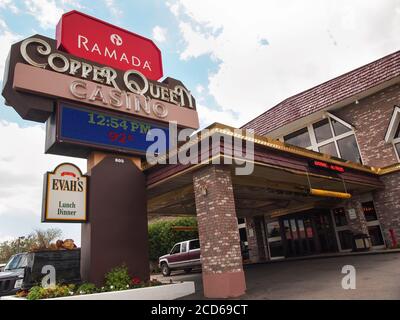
187,270
165,270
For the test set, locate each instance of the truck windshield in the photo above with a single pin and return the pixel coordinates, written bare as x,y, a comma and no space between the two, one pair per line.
16,262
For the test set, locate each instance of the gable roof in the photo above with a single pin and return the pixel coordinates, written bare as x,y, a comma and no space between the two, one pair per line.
327,94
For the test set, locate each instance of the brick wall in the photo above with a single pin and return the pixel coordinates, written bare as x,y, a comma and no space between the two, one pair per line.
371,119
357,224
387,205
256,239
216,218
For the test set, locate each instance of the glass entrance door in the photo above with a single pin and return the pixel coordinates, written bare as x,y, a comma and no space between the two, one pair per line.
308,233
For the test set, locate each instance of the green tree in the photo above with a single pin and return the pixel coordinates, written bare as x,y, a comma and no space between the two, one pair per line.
162,236
37,239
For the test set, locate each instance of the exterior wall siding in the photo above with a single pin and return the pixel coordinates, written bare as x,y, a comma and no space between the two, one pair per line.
387,205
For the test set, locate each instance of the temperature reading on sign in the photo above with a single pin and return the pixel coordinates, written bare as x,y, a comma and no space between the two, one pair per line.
110,131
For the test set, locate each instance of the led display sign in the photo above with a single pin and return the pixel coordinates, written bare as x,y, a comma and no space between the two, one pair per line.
79,125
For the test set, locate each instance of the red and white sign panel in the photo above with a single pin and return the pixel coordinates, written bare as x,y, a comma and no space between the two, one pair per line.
92,39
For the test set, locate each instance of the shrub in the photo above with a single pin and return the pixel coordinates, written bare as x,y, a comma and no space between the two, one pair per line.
162,237
118,279
38,292
86,288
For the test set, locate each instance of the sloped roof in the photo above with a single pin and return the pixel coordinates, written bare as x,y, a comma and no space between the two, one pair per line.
327,94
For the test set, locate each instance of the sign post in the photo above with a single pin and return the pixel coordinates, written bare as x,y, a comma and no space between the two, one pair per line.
116,232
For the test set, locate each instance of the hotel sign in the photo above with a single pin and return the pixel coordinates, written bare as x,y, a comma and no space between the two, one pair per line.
63,86
101,42
124,91
64,195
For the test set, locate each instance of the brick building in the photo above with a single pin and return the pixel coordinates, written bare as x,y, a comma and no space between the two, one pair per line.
326,170
354,117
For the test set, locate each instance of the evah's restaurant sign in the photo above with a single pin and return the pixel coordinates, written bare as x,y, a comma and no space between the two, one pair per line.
64,196
96,88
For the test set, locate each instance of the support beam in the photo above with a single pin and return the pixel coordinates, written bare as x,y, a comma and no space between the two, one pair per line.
221,258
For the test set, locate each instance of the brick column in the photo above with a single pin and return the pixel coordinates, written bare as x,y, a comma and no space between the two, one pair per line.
387,205
252,240
257,245
223,275
357,224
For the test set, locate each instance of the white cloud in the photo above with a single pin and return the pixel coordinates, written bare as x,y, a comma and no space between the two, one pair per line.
9,4
199,89
159,34
47,12
303,44
22,166
115,11
7,38
208,116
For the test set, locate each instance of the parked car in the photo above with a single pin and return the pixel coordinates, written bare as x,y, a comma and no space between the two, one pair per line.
184,255
12,277
24,270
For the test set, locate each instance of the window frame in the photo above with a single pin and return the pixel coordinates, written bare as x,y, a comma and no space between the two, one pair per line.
335,138
392,129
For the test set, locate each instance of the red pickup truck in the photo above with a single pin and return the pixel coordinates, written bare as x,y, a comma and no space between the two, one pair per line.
183,256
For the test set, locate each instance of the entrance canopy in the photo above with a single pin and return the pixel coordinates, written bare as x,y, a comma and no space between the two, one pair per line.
279,184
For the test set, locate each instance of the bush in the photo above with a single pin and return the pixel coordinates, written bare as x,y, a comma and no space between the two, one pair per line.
38,292
118,279
87,288
162,237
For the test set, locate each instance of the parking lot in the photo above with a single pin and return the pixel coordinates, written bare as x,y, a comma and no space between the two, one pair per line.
377,277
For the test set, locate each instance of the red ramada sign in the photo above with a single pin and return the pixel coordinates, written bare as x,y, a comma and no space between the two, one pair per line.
99,41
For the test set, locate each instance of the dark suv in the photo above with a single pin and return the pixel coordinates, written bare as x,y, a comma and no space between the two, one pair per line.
184,255
12,277
24,270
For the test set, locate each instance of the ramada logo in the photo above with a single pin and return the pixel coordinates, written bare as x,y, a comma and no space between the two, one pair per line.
84,43
116,39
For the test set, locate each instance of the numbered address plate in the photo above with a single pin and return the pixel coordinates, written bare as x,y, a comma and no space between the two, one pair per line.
109,131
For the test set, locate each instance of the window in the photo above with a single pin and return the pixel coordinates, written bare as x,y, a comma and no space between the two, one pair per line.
393,131
184,247
339,128
322,130
329,148
19,261
375,235
339,215
397,145
194,244
331,136
369,211
241,220
396,141
348,149
345,239
300,138
273,229
176,249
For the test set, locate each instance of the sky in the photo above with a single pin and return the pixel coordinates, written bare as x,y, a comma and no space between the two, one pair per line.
239,58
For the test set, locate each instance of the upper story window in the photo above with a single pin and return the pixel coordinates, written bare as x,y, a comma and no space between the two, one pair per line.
396,141
331,135
299,138
393,132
